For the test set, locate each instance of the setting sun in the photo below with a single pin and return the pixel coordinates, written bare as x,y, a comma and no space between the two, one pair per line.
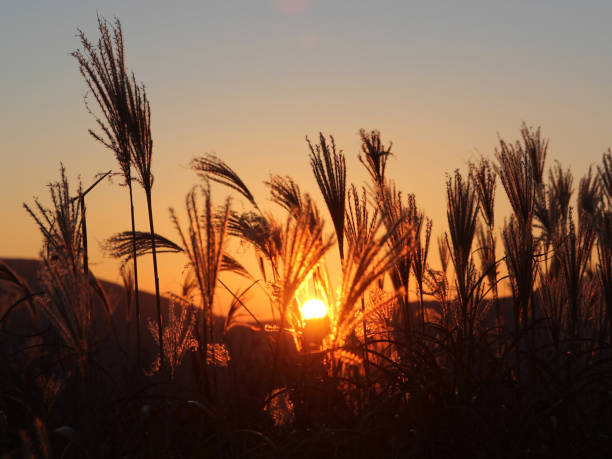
313,309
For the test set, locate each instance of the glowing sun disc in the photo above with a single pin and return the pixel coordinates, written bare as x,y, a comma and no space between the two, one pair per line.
313,309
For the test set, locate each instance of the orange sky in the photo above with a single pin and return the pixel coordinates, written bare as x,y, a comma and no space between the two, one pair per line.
249,80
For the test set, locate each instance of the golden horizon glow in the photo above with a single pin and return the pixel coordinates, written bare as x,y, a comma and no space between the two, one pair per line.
313,309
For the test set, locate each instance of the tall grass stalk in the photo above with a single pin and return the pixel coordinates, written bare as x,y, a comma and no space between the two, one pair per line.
462,213
204,244
552,205
375,155
67,289
360,228
605,176
103,68
398,216
303,246
604,265
329,167
574,255
369,258
60,224
422,238
520,168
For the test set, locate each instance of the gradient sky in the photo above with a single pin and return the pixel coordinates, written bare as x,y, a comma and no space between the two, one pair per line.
249,79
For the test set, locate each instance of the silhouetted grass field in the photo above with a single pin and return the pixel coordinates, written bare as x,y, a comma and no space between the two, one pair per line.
408,361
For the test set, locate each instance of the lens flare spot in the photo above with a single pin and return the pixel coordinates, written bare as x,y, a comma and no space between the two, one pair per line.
313,309
292,7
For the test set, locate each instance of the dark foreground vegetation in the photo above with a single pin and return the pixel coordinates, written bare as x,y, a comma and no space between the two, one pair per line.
410,361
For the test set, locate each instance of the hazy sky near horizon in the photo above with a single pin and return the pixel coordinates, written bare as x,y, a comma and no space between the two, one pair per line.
247,80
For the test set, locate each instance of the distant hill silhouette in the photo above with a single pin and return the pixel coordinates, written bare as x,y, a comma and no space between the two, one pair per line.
249,346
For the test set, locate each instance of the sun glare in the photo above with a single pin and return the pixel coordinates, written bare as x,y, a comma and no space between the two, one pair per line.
313,309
